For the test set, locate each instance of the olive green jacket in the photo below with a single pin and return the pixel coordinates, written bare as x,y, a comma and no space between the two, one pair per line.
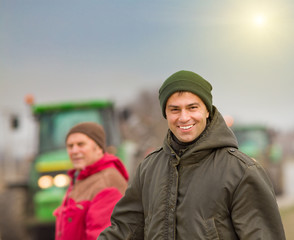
211,192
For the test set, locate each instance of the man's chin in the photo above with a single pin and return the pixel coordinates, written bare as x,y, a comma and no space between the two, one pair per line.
78,166
185,138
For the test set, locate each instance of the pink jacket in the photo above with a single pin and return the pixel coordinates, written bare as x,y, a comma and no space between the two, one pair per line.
88,204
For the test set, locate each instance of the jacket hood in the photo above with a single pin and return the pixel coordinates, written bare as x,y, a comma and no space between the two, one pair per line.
216,135
108,160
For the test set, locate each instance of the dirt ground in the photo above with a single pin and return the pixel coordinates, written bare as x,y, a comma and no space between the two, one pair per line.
288,221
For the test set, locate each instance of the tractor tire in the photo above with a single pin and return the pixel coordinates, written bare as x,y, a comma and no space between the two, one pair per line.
13,214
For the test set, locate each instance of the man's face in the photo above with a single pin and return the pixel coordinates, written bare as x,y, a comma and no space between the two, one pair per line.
186,115
82,150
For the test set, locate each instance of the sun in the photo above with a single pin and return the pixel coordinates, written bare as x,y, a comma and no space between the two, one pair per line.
259,20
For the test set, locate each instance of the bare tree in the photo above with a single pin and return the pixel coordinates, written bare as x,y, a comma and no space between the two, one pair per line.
142,122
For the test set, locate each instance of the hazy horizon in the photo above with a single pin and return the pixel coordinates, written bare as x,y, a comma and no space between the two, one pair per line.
78,50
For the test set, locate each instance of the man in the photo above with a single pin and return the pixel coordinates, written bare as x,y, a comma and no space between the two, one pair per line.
99,180
198,185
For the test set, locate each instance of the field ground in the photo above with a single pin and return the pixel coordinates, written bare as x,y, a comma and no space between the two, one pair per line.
287,213
288,221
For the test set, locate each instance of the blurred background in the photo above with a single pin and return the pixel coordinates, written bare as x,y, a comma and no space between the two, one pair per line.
122,51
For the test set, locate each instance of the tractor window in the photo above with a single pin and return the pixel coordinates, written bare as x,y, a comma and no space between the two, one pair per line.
252,142
54,127
63,122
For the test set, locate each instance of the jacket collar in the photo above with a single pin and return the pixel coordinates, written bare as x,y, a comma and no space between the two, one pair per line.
108,160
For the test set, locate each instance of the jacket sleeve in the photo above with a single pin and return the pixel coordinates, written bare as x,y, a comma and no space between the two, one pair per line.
127,220
99,212
255,213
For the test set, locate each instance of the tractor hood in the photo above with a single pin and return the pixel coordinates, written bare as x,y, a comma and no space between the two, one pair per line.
53,161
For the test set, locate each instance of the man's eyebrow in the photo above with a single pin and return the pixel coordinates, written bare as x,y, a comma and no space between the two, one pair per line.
189,105
172,106
194,103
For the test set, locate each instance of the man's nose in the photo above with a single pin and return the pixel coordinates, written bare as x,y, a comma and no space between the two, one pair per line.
74,149
184,116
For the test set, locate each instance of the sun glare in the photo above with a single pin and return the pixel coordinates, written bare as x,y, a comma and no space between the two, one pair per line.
259,20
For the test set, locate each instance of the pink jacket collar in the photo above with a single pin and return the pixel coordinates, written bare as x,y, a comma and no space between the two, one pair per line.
108,160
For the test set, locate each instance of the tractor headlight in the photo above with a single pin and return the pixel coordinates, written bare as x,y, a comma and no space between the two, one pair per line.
45,181
61,180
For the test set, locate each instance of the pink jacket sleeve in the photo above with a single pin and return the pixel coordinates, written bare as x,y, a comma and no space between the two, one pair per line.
99,213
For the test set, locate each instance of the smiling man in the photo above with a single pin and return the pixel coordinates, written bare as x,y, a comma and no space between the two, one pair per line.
186,115
99,180
198,185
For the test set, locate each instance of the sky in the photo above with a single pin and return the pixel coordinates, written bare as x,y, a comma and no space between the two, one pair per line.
96,49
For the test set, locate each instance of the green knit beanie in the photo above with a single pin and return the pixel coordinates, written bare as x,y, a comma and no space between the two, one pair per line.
186,81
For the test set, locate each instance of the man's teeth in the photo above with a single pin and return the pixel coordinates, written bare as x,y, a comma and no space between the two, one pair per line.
186,127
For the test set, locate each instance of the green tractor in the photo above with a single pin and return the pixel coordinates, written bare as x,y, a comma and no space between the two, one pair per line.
259,142
27,207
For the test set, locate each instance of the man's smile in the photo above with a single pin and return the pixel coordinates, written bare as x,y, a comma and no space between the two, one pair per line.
186,127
